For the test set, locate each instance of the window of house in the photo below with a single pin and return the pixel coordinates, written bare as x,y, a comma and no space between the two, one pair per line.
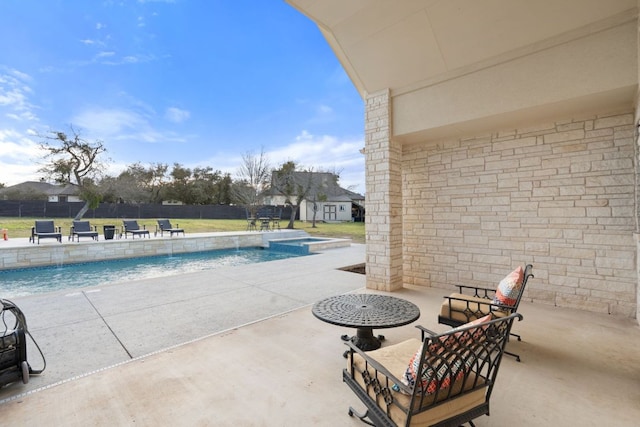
342,208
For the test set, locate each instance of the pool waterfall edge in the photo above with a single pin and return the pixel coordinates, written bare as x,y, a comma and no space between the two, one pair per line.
53,253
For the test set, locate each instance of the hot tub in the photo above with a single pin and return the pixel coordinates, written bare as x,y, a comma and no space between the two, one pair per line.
306,245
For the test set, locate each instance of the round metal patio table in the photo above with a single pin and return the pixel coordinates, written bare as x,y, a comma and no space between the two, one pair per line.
366,312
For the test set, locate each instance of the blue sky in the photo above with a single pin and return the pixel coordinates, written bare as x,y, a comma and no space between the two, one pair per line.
195,82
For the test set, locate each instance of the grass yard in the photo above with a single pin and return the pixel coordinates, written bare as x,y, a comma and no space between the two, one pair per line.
21,227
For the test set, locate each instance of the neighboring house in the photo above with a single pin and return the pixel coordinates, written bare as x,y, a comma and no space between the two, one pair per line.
36,190
498,133
332,202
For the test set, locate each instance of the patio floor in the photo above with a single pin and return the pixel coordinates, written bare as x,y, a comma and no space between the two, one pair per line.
248,352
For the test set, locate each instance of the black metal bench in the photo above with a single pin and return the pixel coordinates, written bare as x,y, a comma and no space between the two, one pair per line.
454,373
45,229
132,227
164,226
83,228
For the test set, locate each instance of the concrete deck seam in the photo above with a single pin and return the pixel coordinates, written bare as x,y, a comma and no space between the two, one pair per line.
107,325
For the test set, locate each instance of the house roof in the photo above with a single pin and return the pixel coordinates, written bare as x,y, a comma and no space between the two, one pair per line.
44,188
325,184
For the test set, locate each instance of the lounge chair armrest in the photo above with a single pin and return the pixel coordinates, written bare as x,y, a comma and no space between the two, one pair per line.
452,298
478,291
424,331
493,306
502,307
380,369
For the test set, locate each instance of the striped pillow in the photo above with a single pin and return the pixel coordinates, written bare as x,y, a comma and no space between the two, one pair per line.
442,370
509,288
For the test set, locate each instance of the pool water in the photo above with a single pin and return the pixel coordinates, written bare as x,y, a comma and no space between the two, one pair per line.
29,281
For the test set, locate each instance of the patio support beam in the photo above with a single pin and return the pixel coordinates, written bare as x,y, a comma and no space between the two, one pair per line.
384,196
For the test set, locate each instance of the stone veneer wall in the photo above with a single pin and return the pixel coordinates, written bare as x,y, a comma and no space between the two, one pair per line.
560,196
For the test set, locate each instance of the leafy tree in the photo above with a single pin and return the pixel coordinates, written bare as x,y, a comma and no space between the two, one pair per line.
109,189
293,186
199,186
223,190
205,185
140,184
180,187
72,160
253,179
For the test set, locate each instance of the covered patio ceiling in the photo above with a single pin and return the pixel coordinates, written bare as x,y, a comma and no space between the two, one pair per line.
408,45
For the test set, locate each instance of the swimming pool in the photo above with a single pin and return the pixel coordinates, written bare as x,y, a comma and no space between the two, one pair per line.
35,280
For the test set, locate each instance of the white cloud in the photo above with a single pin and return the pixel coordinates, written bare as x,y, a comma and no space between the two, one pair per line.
130,59
324,109
110,122
18,162
176,115
14,95
123,125
322,114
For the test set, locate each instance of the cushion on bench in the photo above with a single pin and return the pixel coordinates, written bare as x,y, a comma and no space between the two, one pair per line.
456,307
395,358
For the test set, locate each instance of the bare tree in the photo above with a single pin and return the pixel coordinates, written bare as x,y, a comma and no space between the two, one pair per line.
253,178
73,160
318,196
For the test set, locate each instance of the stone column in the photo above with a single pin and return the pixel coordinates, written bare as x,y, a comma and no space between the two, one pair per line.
384,196
636,165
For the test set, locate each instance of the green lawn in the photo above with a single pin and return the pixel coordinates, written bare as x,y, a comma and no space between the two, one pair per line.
21,227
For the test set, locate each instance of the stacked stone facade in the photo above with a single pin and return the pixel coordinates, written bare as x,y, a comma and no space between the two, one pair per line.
560,196
384,196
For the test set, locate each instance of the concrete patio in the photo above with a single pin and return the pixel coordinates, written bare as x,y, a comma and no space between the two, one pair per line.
240,347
